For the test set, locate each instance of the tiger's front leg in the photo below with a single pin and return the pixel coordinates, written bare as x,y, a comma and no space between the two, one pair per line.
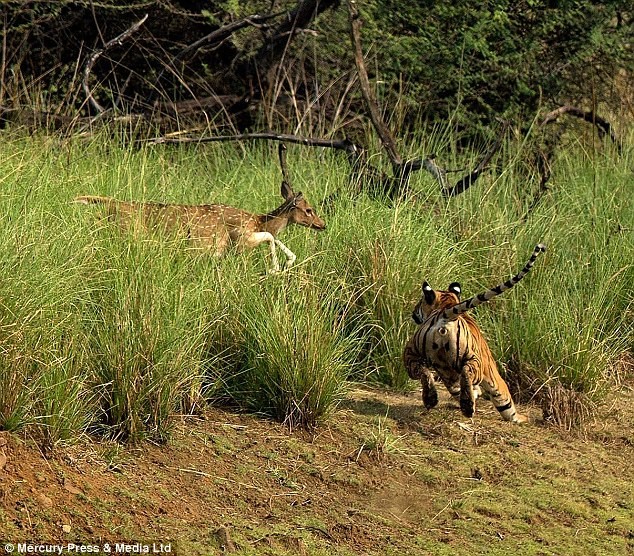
468,392
430,394
418,370
451,380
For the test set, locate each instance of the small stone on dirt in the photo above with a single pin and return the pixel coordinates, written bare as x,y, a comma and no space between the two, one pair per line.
71,488
43,500
226,544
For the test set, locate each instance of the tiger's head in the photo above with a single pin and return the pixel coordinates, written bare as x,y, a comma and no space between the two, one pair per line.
435,299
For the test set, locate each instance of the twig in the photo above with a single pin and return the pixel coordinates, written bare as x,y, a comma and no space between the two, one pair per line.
93,59
318,530
193,471
282,155
209,476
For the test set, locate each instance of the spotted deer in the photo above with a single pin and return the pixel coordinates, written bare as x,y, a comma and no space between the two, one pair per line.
218,227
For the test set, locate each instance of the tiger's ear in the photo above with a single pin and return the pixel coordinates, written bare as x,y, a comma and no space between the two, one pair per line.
455,288
428,293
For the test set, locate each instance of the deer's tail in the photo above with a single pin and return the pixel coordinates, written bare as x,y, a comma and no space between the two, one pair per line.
93,200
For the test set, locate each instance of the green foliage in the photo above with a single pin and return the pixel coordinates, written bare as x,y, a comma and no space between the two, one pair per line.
296,351
472,62
148,300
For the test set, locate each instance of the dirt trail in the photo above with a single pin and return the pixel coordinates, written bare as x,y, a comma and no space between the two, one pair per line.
383,476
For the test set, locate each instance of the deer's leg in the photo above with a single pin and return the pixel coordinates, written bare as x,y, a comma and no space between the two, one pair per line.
256,238
290,256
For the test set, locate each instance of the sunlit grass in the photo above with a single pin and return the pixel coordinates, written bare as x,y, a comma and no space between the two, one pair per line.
120,335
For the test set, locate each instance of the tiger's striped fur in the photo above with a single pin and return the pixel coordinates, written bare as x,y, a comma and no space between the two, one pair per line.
450,342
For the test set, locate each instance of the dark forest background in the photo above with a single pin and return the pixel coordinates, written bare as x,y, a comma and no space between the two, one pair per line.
288,65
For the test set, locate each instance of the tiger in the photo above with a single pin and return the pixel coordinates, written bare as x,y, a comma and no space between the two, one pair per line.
449,341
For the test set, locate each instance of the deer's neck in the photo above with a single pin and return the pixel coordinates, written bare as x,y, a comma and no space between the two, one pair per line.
273,223
276,220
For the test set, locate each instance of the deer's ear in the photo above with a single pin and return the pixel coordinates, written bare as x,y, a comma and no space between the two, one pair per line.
287,191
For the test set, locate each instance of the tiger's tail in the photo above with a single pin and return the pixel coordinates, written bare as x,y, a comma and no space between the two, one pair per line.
453,312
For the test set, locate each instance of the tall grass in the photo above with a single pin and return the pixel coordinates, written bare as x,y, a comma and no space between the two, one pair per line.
105,333
296,353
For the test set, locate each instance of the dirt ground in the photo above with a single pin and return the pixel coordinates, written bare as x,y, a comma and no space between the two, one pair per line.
382,476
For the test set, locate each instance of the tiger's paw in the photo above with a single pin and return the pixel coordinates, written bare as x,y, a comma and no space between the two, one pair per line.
467,407
430,398
520,418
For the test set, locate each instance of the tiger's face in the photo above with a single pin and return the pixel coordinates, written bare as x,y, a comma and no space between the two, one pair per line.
432,300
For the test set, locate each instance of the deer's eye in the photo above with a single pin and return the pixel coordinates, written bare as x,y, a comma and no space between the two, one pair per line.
309,211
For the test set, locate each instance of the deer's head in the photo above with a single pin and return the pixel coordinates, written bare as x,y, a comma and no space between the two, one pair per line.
299,210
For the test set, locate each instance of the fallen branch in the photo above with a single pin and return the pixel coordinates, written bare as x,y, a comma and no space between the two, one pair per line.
195,107
467,181
344,144
363,174
439,173
95,55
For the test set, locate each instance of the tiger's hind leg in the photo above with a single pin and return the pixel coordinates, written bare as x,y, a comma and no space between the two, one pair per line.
502,400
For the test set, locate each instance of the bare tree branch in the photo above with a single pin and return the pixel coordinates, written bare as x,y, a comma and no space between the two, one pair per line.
377,121
226,31
297,19
95,55
603,126
344,145
467,181
219,35
439,173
